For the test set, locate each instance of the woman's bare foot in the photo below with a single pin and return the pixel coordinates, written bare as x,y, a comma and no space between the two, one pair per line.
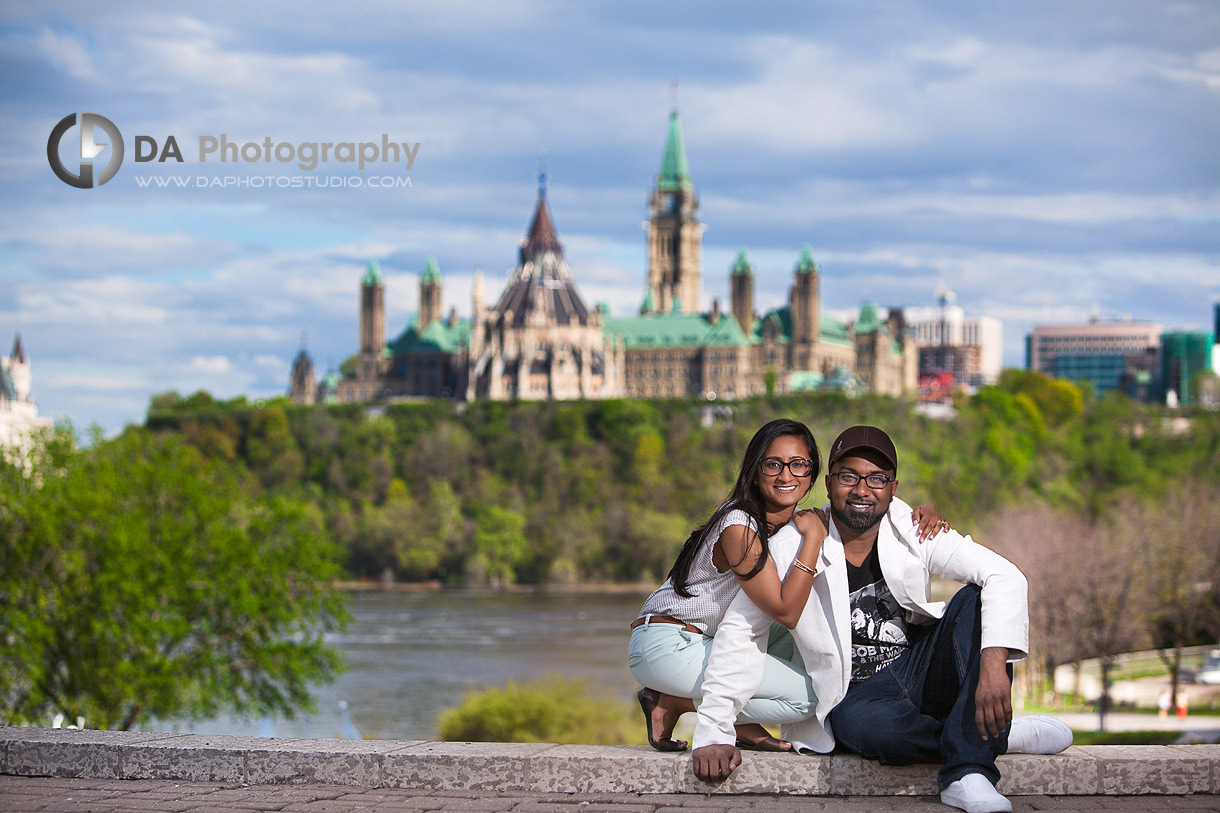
753,737
661,713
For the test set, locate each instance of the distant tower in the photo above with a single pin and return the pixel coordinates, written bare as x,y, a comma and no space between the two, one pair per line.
804,304
944,298
742,278
541,341
19,371
429,294
675,236
18,412
476,295
372,323
303,385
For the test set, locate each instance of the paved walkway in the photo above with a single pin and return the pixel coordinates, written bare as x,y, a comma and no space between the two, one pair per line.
23,794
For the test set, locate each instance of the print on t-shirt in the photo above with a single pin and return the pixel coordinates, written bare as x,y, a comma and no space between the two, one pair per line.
878,626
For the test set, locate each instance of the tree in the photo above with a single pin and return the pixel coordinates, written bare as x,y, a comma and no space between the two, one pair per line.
498,546
1086,590
1031,537
271,449
139,580
1182,532
1057,399
421,545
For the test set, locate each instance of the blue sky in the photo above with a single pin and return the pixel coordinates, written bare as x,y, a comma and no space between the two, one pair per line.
1046,160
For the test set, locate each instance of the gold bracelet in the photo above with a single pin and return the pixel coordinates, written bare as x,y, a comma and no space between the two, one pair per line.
797,563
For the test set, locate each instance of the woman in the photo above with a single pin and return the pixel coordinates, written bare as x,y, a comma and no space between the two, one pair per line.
671,639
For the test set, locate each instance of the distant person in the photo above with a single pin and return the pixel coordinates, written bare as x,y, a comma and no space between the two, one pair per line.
1163,701
897,677
726,555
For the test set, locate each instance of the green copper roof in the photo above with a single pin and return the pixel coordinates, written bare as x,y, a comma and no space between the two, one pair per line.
832,330
675,174
373,275
741,266
804,380
842,378
438,337
806,263
868,321
647,307
676,330
431,272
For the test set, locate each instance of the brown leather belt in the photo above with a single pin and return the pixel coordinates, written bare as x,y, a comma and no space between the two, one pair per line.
653,618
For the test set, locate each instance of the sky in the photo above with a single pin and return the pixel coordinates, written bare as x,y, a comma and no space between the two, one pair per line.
1046,161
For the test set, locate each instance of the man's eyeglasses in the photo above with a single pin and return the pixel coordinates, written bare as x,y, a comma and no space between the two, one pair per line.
799,466
874,480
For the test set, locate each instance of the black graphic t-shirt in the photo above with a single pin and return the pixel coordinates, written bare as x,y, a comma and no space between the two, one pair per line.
878,627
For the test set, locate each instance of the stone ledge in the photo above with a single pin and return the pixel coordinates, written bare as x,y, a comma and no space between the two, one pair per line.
1113,770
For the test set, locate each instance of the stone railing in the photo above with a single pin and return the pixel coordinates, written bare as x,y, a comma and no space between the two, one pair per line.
539,767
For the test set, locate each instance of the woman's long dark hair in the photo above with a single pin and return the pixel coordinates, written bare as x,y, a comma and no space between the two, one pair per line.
747,497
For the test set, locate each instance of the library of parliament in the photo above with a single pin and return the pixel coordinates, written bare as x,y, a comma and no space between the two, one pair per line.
541,340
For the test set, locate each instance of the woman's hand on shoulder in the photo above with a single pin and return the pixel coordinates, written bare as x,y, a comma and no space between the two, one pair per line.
810,521
929,520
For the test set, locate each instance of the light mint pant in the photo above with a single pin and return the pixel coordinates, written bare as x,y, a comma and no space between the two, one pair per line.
667,658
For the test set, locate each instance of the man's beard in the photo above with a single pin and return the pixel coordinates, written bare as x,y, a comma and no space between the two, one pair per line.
857,520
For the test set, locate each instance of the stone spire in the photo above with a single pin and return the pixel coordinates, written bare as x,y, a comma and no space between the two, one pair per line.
541,235
372,323
675,235
741,278
804,301
541,289
429,294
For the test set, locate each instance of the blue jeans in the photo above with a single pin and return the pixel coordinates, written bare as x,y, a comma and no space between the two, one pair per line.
920,706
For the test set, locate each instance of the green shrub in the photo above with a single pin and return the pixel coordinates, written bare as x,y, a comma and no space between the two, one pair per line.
550,709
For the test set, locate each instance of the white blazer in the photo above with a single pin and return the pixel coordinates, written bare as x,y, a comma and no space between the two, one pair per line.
823,634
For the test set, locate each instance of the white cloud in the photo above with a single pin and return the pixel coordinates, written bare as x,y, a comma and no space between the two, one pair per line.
69,53
92,382
211,365
1041,160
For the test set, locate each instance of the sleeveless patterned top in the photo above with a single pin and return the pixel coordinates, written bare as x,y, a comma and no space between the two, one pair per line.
711,591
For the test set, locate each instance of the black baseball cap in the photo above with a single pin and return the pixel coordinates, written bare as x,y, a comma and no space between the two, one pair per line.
863,437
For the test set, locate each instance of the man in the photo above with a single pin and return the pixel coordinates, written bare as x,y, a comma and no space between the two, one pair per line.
899,678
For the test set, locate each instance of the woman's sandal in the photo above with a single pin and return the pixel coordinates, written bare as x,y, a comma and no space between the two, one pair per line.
649,700
765,744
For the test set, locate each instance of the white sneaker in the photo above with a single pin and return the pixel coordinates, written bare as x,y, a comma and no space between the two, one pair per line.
974,793
1038,734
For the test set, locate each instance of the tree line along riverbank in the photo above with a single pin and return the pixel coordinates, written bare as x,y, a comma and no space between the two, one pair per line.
1110,507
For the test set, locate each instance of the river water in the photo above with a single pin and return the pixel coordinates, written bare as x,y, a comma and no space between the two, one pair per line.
412,654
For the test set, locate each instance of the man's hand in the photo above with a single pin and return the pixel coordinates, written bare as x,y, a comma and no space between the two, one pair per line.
715,762
993,696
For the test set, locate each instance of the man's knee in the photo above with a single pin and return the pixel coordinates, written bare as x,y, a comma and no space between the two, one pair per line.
969,595
965,606
891,733
865,727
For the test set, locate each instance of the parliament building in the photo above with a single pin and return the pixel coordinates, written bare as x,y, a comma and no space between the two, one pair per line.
541,340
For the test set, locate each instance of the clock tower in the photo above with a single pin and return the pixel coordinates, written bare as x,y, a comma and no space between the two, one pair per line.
675,235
